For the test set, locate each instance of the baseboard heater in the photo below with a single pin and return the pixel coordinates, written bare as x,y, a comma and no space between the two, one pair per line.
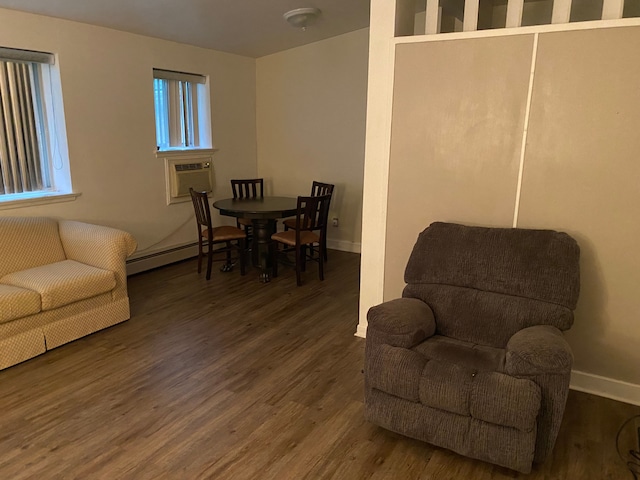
161,258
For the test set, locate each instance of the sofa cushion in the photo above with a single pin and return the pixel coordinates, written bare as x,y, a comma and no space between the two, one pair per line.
17,302
27,242
62,283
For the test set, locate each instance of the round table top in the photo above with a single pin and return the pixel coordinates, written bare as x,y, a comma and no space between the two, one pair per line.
259,208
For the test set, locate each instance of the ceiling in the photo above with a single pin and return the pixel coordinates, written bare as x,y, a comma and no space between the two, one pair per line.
253,28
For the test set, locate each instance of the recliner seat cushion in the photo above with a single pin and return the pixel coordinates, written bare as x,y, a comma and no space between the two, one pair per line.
467,354
62,283
17,302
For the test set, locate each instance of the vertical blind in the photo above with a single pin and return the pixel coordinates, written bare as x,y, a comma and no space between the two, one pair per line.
22,158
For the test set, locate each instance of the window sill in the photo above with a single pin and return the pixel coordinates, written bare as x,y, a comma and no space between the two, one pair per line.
182,152
19,201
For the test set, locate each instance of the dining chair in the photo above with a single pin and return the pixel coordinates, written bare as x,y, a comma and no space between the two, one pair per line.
309,231
317,189
247,188
209,235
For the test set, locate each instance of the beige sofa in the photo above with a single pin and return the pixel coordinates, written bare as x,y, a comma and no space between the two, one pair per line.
59,281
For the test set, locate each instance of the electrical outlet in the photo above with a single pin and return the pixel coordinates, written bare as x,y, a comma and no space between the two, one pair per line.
334,221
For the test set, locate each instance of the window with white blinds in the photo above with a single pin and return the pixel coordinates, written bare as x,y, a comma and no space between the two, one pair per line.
24,155
178,99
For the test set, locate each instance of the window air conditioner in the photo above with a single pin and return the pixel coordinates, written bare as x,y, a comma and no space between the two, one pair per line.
188,169
191,175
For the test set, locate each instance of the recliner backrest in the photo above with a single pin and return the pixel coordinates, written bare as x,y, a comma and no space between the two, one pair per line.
484,284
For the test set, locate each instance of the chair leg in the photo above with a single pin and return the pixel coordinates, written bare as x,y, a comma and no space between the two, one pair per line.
273,247
242,255
324,248
321,256
303,257
298,264
200,254
228,253
209,259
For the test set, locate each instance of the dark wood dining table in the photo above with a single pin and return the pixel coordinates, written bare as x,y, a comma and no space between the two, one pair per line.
263,213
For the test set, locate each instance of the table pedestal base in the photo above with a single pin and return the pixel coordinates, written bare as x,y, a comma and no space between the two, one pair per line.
262,231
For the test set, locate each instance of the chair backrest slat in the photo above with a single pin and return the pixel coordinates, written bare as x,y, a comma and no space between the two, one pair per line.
247,188
201,208
312,212
319,188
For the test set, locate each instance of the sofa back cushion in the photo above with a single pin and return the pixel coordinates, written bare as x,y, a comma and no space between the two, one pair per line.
27,242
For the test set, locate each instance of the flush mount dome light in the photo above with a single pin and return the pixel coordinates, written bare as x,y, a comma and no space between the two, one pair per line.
301,17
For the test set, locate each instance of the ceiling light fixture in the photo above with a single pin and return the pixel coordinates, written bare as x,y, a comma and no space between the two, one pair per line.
301,17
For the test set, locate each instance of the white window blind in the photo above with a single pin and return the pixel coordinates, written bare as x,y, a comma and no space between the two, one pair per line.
176,108
24,163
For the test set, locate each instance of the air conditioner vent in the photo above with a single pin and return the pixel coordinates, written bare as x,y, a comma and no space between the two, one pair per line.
188,172
182,167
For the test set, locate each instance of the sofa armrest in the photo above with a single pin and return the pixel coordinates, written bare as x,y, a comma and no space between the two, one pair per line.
536,350
99,246
403,322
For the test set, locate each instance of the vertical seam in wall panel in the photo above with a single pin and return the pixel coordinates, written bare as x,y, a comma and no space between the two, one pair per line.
525,130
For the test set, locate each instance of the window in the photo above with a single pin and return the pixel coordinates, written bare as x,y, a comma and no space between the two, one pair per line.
181,110
25,164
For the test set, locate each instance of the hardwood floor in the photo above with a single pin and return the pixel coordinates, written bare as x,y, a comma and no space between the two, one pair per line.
233,379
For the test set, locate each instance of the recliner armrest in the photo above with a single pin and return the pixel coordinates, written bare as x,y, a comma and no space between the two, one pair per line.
403,322
538,350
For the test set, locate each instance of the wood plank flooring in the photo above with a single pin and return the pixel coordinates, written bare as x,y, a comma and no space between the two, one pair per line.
233,379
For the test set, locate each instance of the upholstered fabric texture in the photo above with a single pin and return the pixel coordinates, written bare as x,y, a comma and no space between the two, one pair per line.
536,264
483,317
38,236
17,302
101,247
225,233
472,358
58,282
289,237
63,282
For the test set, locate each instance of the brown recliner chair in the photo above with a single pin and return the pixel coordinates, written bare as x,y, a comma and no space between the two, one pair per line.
472,358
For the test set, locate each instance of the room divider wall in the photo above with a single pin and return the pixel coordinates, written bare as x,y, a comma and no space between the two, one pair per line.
528,129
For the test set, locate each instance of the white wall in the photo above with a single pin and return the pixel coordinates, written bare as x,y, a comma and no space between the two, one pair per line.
106,79
311,107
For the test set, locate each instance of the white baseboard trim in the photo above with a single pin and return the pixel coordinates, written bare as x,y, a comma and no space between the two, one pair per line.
605,387
361,331
343,245
190,250
161,258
